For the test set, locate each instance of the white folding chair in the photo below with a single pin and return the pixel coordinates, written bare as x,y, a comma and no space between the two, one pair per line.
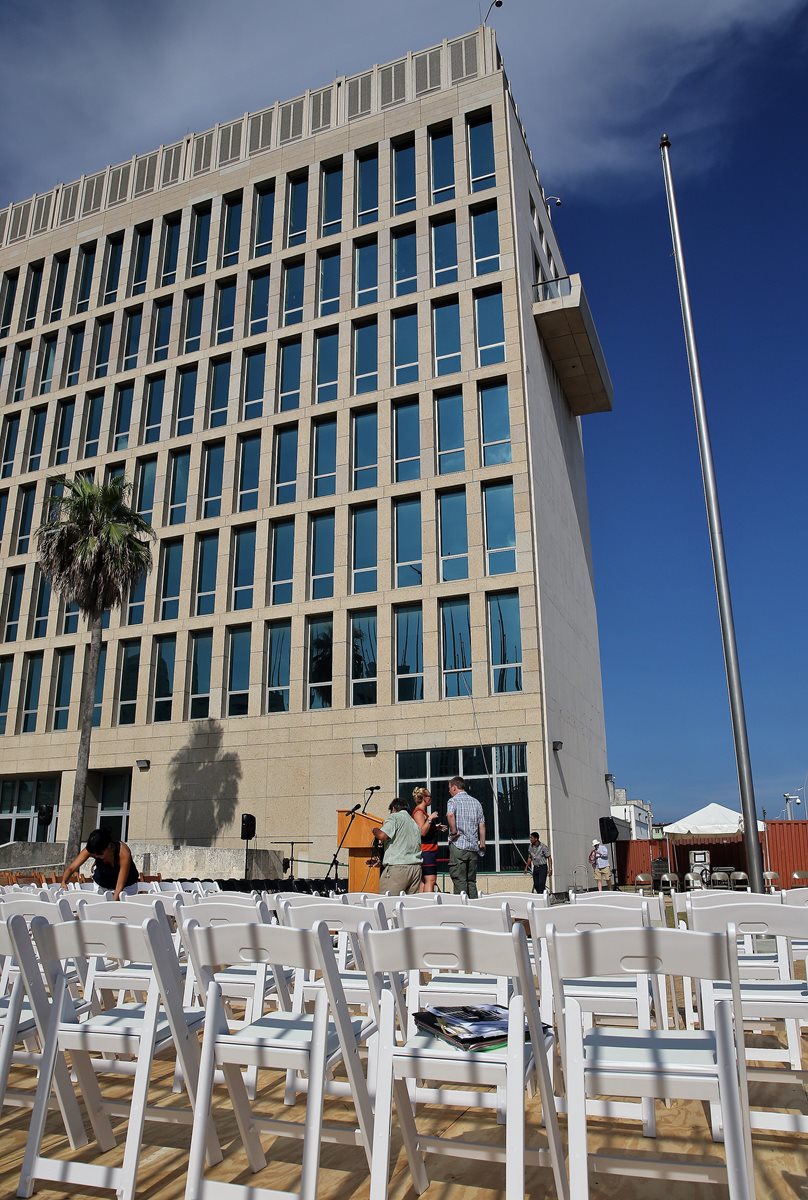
314,1043
522,1063
764,999
655,904
140,1029
24,1022
603,1061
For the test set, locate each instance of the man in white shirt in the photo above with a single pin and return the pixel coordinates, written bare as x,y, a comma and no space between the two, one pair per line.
466,821
599,861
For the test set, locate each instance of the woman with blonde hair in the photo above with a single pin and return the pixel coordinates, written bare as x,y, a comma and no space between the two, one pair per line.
429,825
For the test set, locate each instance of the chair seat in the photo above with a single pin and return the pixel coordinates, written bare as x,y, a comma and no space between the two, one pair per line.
650,1052
458,983
424,1046
25,1024
125,1021
286,1031
768,991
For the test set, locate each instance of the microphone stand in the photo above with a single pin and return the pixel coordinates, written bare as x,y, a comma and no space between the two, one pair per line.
334,864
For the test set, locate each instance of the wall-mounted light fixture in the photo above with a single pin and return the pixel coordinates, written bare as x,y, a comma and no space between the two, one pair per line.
557,746
142,764
370,749
609,778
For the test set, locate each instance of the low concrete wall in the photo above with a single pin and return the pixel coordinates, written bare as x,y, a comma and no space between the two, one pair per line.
19,856
204,862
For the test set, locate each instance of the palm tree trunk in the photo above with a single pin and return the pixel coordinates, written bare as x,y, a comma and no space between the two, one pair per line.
86,706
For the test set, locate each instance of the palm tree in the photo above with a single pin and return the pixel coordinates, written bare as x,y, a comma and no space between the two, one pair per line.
92,547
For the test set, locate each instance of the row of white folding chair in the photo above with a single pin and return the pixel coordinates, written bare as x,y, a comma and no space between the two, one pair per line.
142,1030
612,1061
656,903
765,1000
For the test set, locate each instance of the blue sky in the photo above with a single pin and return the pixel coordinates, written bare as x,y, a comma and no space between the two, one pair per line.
86,82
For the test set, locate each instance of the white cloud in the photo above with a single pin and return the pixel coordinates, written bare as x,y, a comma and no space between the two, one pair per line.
91,82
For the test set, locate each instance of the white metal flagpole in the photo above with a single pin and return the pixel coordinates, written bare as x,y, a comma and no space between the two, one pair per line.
747,788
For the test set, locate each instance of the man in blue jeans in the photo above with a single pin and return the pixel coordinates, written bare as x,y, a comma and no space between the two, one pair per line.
466,822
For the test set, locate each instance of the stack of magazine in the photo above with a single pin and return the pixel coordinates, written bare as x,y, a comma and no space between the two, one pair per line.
468,1027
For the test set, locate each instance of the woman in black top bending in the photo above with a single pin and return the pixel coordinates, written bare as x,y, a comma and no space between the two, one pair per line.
114,869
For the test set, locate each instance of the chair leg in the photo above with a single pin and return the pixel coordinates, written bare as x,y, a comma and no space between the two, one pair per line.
576,1108
314,1100
515,1106
737,1145
36,1128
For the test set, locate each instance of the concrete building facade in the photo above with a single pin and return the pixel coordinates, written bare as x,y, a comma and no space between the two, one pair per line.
335,348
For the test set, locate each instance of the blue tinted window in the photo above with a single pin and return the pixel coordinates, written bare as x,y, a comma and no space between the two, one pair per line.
500,528
409,653
130,669
27,496
172,571
289,376
365,448
255,363
405,262
231,234
328,298
113,273
283,555
64,684
322,555
47,360
490,328
162,330
200,238
165,649
238,677
64,432
145,476
14,586
456,647
294,275
11,432
447,337
451,451
30,703
405,347
321,660
86,267
194,302
279,647
136,602
186,399
36,437
444,251
219,392
6,666
264,217
201,655
207,561
325,458
103,342
496,423
481,154
43,598
171,245
99,687
441,162
178,492
225,312
92,432
259,302
407,438
57,294
505,641
366,271
409,570
243,567
8,295
155,390
404,177
364,658
214,466
454,542
76,337
285,464
123,416
367,189
366,360
141,260
134,320
250,455
365,555
327,352
297,205
331,214
485,239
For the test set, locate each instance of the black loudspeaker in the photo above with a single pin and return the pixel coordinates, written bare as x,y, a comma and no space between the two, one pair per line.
608,830
44,814
247,827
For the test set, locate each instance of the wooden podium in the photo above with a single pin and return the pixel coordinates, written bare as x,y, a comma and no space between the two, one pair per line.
359,844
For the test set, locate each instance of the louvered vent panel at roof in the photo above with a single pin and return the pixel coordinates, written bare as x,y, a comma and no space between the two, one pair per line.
93,194
145,173
463,59
20,216
230,143
392,84
203,149
43,206
359,96
3,223
70,199
119,183
260,131
427,71
320,104
172,164
291,120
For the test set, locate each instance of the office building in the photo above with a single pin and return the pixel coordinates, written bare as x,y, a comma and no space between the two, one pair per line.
335,347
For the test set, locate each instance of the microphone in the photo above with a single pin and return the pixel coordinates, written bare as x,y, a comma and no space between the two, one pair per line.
376,788
356,808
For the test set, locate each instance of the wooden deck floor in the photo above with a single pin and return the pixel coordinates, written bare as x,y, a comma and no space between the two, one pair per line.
781,1160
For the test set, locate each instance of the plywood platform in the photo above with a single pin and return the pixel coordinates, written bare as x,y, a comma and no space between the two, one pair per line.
781,1160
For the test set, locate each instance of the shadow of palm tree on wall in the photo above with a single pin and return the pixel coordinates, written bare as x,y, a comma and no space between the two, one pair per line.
202,788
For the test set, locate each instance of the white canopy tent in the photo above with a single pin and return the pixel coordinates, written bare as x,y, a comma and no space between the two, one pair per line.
714,818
